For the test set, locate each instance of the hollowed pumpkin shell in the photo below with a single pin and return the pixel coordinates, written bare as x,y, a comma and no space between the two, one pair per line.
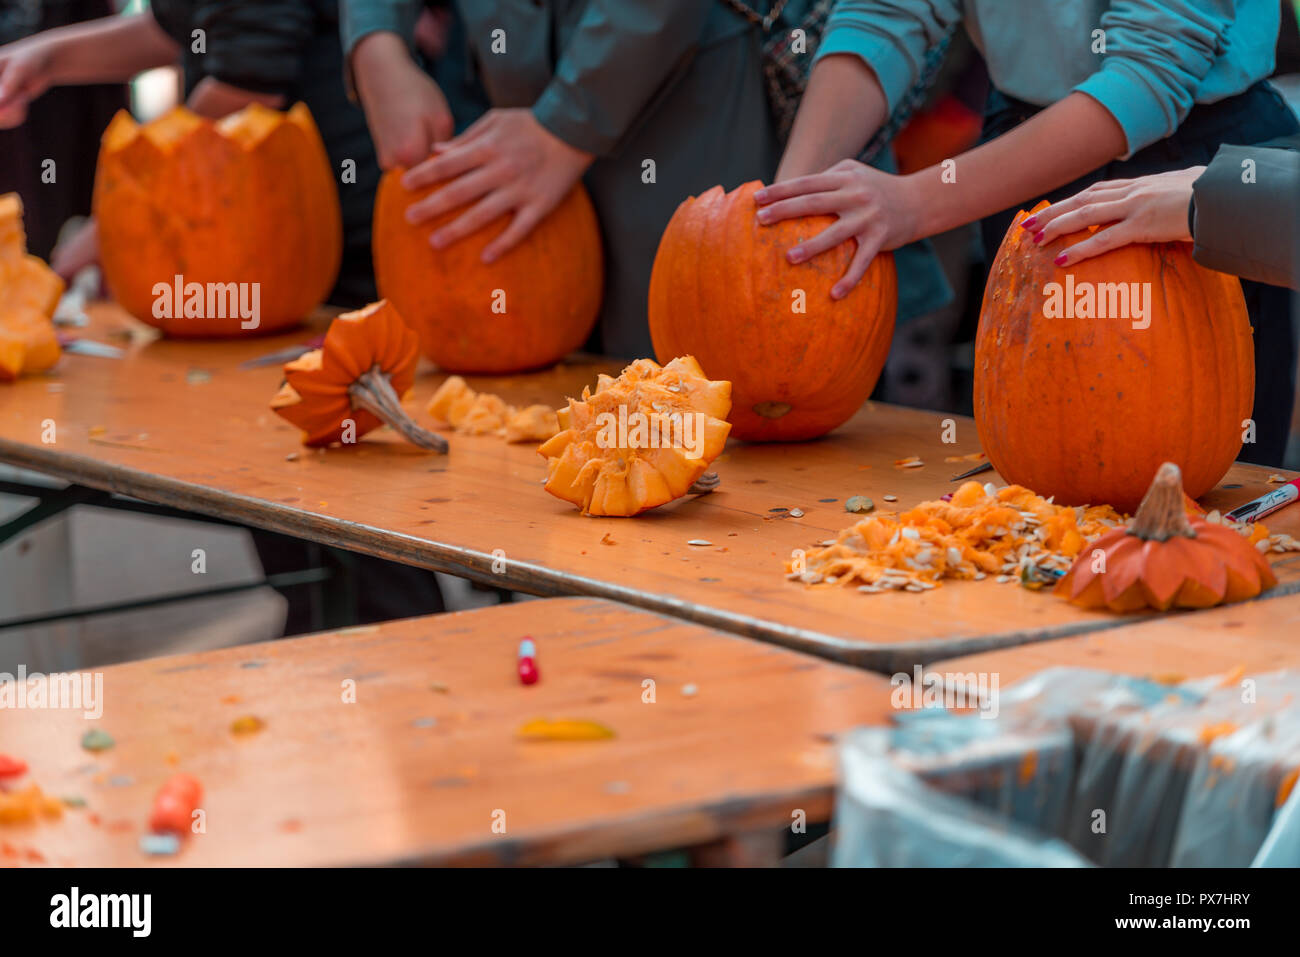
352,384
602,464
246,199
1166,559
29,293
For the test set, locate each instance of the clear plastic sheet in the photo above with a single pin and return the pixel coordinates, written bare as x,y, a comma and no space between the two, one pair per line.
1082,767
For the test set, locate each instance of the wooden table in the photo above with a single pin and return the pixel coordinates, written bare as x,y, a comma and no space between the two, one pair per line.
737,739
179,423
1256,636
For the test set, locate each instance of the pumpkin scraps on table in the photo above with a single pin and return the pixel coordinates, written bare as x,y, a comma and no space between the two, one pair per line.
640,440
29,292
482,413
352,384
1009,533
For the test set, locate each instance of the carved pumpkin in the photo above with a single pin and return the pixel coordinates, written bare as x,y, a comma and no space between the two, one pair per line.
1086,408
353,383
29,292
799,362
246,199
1166,559
639,441
530,308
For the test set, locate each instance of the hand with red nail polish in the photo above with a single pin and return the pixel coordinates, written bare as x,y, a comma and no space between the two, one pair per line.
1150,209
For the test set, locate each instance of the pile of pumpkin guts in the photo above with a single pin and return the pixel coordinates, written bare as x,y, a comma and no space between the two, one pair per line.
1010,533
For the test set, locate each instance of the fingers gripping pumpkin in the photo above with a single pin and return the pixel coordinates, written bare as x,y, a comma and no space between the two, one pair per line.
640,440
353,383
1165,559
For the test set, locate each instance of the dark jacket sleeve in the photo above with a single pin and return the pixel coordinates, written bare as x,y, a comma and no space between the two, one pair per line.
621,54
256,45
1246,217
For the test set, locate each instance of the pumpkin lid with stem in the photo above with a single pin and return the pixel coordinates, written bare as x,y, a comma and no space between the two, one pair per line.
1166,559
352,384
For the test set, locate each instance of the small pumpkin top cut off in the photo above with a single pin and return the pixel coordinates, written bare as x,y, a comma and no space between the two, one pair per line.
29,292
640,440
353,383
1166,559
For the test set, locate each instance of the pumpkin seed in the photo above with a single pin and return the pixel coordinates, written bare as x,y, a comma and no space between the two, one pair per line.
796,513
699,541
890,498
859,504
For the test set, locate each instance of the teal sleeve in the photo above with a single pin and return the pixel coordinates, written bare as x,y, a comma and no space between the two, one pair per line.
359,18
619,57
890,36
1156,55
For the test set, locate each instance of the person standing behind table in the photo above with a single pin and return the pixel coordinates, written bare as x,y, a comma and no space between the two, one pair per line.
64,128
1175,79
273,52
589,90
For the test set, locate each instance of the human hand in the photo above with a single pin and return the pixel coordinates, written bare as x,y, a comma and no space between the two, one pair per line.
506,163
406,112
1150,209
25,73
78,251
878,210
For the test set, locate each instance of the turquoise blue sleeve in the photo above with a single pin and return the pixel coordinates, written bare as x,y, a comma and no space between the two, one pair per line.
891,36
1157,54
359,18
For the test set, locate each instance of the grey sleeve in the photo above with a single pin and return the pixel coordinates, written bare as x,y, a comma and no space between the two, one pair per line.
1247,214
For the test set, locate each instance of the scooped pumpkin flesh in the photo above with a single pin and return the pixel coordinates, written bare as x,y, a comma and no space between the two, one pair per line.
640,440
353,383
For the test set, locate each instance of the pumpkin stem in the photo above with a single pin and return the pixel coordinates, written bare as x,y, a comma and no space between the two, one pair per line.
374,392
1162,514
705,484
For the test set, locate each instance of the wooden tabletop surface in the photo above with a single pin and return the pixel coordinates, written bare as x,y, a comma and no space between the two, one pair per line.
179,423
1255,636
737,739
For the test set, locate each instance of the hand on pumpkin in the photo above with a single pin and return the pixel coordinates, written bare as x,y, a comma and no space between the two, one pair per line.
24,75
406,112
506,163
1150,209
878,210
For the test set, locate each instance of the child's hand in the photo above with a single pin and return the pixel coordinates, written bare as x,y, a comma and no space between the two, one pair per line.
406,112
876,209
1151,209
506,162
24,75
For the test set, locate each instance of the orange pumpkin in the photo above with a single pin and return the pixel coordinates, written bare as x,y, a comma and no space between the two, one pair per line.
799,362
249,199
353,383
639,441
29,293
1086,408
1166,558
530,308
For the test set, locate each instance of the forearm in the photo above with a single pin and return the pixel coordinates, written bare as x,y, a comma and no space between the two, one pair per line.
841,110
1067,140
214,99
109,50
